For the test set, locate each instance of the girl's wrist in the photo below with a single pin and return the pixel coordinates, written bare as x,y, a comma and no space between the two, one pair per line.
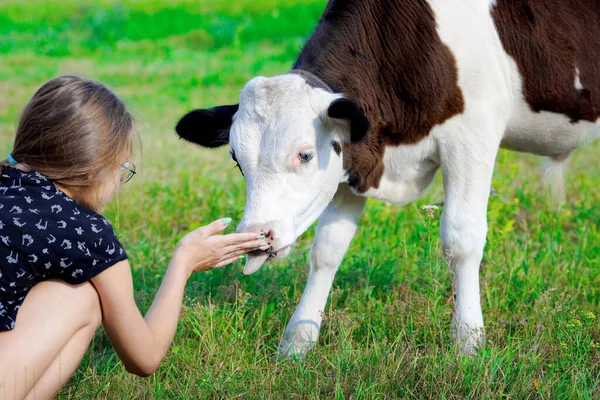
180,267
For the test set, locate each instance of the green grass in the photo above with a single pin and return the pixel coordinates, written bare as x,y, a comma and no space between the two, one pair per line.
387,323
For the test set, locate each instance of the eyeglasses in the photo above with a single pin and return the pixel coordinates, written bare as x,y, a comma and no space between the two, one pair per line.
127,172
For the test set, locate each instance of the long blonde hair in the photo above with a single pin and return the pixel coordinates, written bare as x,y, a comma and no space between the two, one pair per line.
73,131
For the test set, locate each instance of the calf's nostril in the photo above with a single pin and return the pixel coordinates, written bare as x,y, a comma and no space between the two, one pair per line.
267,234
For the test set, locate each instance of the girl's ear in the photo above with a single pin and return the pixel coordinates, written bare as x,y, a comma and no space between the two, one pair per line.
207,127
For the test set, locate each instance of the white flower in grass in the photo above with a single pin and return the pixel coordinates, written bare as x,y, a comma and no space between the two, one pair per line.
430,210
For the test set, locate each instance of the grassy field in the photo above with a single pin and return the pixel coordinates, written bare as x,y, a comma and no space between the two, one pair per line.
386,330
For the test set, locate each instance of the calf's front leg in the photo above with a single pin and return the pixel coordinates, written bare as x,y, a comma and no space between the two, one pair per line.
467,180
336,229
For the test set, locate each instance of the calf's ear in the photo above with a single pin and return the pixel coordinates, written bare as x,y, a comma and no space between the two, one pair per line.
207,127
345,109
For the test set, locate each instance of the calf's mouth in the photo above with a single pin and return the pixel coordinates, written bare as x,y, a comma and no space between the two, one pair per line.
257,258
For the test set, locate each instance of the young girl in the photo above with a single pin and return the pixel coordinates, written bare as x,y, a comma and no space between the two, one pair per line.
62,269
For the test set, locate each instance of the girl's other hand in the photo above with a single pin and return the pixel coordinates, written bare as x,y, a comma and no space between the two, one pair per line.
202,249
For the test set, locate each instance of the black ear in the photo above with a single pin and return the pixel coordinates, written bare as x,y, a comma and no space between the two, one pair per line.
343,108
208,127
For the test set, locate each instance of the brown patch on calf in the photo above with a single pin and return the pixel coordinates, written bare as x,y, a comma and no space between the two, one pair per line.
549,39
387,57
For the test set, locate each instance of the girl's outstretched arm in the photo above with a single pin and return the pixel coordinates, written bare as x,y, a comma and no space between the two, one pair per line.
142,342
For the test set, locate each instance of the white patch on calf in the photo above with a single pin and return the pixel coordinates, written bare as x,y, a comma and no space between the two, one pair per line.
578,84
409,169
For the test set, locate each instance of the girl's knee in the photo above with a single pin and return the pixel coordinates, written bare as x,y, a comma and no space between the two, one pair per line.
91,303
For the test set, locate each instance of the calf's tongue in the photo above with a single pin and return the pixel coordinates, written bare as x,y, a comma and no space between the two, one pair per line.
254,262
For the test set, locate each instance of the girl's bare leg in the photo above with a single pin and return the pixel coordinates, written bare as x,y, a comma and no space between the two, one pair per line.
53,329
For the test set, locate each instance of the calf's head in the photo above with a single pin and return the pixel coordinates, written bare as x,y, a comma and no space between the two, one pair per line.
287,138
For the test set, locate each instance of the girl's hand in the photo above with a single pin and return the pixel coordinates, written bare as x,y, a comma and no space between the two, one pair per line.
203,250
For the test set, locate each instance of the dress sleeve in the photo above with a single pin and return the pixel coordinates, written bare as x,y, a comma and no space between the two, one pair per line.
98,250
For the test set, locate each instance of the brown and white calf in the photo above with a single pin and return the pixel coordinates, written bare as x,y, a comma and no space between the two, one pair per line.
385,93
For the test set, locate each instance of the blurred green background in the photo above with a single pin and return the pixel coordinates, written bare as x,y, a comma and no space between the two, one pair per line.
386,329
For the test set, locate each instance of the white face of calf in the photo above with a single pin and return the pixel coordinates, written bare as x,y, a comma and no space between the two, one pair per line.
286,137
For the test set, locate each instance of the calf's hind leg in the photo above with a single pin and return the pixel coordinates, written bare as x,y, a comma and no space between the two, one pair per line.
336,229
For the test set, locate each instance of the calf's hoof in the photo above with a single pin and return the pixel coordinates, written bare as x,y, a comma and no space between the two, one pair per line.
469,340
299,338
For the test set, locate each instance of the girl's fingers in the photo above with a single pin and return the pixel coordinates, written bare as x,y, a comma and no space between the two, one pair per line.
236,254
215,226
239,238
228,261
248,246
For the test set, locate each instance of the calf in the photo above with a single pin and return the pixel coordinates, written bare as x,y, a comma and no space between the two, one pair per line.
385,93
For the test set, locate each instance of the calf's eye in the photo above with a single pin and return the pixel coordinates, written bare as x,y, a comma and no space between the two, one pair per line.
305,156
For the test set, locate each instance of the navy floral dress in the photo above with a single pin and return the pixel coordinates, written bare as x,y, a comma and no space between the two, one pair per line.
44,234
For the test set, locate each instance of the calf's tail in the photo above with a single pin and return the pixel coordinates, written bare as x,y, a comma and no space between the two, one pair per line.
553,170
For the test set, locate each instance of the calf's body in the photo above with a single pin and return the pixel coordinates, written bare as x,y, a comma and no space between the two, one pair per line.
384,94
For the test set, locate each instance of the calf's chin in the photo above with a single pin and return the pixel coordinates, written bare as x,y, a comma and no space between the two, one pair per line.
254,262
